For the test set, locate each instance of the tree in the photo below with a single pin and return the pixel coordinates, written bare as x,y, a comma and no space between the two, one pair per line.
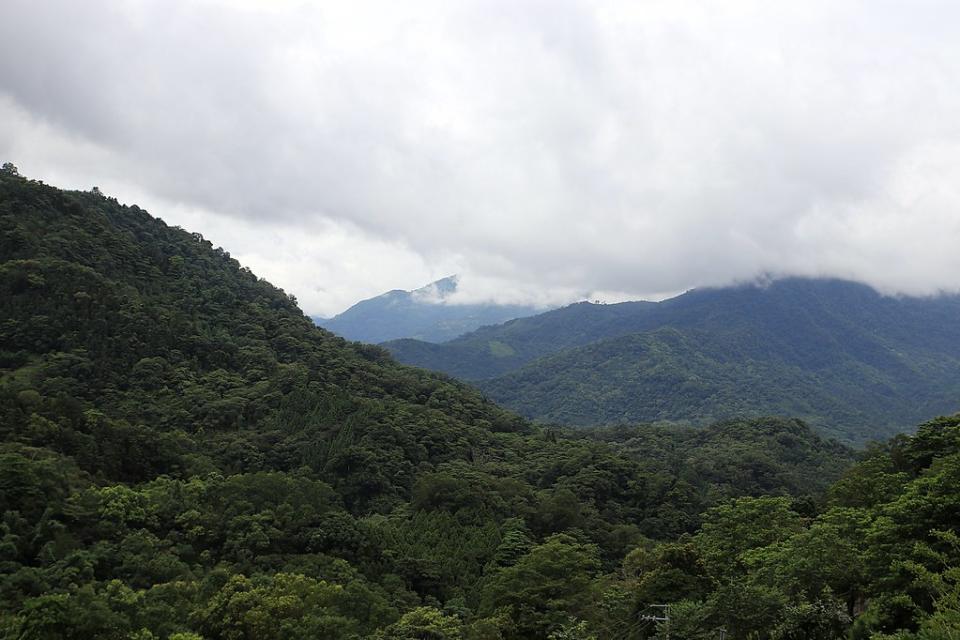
279,607
731,529
424,623
545,587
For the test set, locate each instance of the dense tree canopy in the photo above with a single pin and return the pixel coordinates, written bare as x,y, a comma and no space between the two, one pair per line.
854,364
184,455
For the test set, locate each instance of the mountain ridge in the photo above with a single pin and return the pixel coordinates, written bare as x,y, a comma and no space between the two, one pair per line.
844,349
184,455
424,313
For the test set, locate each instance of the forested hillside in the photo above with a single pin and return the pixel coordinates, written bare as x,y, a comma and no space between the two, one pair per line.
849,361
881,561
494,350
185,455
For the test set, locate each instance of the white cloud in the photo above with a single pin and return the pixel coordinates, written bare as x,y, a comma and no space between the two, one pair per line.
542,149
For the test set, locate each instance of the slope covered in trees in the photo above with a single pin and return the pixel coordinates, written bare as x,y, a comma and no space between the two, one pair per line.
846,359
428,313
881,561
184,454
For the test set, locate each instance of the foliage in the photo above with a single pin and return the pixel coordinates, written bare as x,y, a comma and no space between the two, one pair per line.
184,455
856,365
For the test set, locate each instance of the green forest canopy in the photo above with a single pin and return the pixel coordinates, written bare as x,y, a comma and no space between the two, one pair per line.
185,455
855,364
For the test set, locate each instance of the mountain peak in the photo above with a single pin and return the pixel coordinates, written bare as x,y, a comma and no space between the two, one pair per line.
426,314
437,292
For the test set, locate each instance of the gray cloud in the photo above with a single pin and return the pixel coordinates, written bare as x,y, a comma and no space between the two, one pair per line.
545,150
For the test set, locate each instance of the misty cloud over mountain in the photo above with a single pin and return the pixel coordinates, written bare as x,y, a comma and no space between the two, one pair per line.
546,151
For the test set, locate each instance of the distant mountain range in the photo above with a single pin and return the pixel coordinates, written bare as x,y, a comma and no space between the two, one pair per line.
426,314
854,363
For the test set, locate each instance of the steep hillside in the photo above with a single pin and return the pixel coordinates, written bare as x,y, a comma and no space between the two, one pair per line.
428,314
850,361
185,455
881,561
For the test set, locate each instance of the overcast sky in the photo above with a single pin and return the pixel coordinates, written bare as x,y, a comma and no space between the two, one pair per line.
545,150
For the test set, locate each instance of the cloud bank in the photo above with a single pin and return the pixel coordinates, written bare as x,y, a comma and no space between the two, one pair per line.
545,151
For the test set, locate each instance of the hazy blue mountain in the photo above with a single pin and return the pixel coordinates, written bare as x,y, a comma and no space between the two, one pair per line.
838,354
425,314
